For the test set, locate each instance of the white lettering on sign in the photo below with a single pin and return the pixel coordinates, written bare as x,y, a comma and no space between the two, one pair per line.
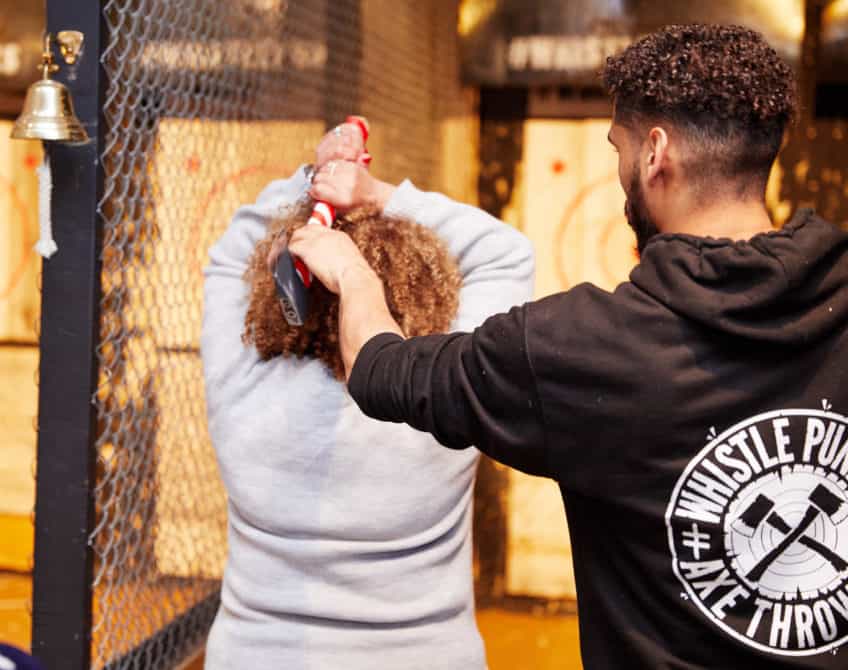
265,55
563,53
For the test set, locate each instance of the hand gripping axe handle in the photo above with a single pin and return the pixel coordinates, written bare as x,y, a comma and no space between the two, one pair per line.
291,276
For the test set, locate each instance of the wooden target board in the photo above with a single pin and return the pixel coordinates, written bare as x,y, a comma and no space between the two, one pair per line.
19,264
573,212
19,313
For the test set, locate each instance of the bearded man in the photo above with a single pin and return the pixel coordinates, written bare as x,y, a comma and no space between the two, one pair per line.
694,418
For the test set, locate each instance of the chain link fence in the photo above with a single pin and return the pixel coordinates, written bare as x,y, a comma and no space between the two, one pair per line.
207,101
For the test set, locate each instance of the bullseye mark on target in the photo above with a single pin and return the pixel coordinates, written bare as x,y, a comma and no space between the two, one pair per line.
602,258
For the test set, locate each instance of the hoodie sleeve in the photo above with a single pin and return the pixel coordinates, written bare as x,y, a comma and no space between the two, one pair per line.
225,291
495,260
465,388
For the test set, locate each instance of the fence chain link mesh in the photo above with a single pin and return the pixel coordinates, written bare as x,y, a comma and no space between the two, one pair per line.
206,102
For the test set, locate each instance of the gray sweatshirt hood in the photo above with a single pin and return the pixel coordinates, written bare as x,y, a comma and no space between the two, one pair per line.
781,287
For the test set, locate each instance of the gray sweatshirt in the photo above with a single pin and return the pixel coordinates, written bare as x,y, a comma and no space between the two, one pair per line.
349,539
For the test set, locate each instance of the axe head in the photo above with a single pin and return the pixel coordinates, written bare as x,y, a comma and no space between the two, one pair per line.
828,502
293,295
747,522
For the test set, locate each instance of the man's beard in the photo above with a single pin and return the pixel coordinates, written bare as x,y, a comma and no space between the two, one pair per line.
636,211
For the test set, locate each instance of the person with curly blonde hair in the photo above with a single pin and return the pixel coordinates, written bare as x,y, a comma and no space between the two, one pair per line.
419,276
349,539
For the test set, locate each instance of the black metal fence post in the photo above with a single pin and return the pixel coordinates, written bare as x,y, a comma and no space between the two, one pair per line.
64,510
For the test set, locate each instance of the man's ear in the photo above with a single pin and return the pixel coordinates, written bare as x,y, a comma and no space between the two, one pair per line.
657,159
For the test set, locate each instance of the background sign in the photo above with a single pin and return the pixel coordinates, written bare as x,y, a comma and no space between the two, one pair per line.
548,42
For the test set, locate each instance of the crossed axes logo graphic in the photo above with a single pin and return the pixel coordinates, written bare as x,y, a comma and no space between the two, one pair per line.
822,501
758,531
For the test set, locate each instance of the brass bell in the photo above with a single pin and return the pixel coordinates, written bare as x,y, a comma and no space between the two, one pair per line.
48,112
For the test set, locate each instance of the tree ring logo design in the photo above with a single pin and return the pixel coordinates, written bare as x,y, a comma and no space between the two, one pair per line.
758,532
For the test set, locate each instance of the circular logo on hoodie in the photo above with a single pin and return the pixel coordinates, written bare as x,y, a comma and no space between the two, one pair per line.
758,531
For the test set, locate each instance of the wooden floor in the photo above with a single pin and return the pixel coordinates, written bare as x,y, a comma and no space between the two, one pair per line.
16,542
15,594
529,642
514,641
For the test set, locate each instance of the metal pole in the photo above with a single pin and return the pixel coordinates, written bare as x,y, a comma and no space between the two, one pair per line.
70,315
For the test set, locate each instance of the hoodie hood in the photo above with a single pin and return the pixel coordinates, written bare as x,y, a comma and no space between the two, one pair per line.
781,287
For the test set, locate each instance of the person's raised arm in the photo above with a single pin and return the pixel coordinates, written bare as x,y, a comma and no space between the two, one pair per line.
230,255
495,260
465,389
226,293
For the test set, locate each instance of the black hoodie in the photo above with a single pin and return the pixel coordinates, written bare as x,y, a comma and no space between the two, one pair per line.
695,420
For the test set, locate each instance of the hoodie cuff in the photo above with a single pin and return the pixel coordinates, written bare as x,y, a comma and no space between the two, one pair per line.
361,374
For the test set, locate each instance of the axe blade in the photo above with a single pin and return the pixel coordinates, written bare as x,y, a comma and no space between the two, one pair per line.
829,503
294,296
748,522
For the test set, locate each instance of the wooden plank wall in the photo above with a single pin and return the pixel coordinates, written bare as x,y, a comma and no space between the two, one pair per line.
19,312
571,206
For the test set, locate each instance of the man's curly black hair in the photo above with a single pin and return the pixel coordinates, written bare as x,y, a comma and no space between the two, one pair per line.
722,86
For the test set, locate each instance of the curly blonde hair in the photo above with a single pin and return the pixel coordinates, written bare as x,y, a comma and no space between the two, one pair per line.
421,282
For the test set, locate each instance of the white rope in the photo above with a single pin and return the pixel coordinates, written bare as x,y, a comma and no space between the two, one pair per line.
45,245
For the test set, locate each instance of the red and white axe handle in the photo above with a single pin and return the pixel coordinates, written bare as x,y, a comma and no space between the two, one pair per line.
324,214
